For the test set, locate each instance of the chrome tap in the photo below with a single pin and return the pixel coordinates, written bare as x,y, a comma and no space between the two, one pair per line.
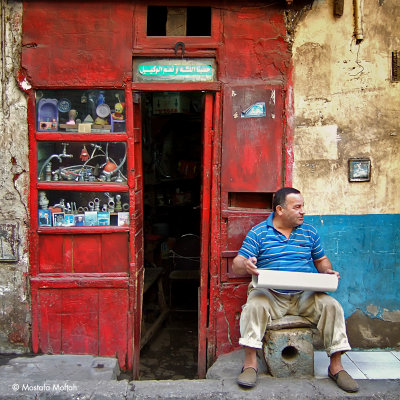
58,156
61,204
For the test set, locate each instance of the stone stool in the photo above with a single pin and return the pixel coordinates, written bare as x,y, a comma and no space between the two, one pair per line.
288,347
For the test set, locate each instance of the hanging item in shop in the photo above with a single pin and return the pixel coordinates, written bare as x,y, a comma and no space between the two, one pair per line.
84,154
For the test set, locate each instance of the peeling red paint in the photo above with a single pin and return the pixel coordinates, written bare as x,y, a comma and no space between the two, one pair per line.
69,44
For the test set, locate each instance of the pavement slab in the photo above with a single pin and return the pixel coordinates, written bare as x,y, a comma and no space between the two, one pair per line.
61,367
65,377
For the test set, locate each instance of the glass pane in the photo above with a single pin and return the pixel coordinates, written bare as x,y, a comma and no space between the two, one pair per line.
85,111
82,162
73,208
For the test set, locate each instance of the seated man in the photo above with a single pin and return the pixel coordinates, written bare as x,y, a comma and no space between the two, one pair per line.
283,242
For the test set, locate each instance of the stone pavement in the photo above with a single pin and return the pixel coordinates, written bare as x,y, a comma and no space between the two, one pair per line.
87,377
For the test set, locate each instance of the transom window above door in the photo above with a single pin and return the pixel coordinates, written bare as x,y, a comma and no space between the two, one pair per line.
178,21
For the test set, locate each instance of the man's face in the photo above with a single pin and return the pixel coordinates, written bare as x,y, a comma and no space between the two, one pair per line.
292,213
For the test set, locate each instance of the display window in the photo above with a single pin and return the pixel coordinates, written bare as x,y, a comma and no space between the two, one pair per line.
83,111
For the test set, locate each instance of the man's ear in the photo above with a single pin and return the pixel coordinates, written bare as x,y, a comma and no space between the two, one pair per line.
279,210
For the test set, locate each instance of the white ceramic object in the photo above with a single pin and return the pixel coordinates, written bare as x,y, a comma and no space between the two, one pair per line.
295,281
103,110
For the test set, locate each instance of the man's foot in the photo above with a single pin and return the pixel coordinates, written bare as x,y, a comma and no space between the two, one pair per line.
344,381
248,377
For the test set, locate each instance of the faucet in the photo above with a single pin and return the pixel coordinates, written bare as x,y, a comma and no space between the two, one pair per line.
59,156
61,204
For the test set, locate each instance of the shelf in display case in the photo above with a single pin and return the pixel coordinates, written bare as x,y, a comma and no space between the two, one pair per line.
81,137
78,162
77,230
83,186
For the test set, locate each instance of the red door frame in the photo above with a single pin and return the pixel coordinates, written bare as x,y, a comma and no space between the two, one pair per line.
205,231
135,184
210,124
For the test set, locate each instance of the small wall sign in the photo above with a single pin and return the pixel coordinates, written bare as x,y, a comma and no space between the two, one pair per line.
8,242
359,170
254,111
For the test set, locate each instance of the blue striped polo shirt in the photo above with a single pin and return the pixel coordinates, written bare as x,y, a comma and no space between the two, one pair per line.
275,252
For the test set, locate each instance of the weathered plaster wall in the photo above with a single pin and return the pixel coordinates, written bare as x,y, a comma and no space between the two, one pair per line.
14,180
346,106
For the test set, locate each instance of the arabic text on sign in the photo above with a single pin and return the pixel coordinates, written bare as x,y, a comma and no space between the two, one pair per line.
175,69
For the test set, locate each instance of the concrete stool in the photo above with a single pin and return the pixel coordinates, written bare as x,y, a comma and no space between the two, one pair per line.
288,347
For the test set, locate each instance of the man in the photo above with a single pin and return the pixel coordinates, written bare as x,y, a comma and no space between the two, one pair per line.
284,242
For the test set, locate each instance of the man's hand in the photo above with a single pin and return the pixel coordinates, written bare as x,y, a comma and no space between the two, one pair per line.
331,271
242,265
251,267
324,266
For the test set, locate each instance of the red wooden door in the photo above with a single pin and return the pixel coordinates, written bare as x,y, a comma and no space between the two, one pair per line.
252,168
82,277
136,227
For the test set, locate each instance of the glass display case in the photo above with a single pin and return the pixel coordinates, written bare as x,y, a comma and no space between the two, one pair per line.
81,159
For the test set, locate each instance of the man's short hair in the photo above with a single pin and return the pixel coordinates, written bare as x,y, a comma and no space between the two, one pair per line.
280,196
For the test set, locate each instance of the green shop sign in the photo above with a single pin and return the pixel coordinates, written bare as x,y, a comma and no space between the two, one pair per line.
175,70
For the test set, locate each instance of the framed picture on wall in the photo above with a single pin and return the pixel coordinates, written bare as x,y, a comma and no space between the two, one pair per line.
359,170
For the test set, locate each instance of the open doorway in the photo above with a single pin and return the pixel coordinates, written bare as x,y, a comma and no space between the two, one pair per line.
172,165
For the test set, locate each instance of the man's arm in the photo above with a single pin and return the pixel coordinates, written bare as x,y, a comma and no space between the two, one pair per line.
324,266
242,265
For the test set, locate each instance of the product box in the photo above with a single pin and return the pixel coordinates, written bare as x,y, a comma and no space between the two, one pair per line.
90,218
123,218
103,218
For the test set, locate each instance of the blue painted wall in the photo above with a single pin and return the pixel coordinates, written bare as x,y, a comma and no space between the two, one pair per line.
365,249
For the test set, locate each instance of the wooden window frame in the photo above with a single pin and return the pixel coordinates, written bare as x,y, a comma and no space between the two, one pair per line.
194,45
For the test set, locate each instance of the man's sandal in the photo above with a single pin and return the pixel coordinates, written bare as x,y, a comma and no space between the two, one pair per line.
344,381
248,377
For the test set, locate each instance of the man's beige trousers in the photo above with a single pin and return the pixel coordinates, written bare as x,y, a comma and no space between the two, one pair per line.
319,308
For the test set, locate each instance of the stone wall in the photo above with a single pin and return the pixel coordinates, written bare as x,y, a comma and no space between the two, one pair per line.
14,184
346,106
